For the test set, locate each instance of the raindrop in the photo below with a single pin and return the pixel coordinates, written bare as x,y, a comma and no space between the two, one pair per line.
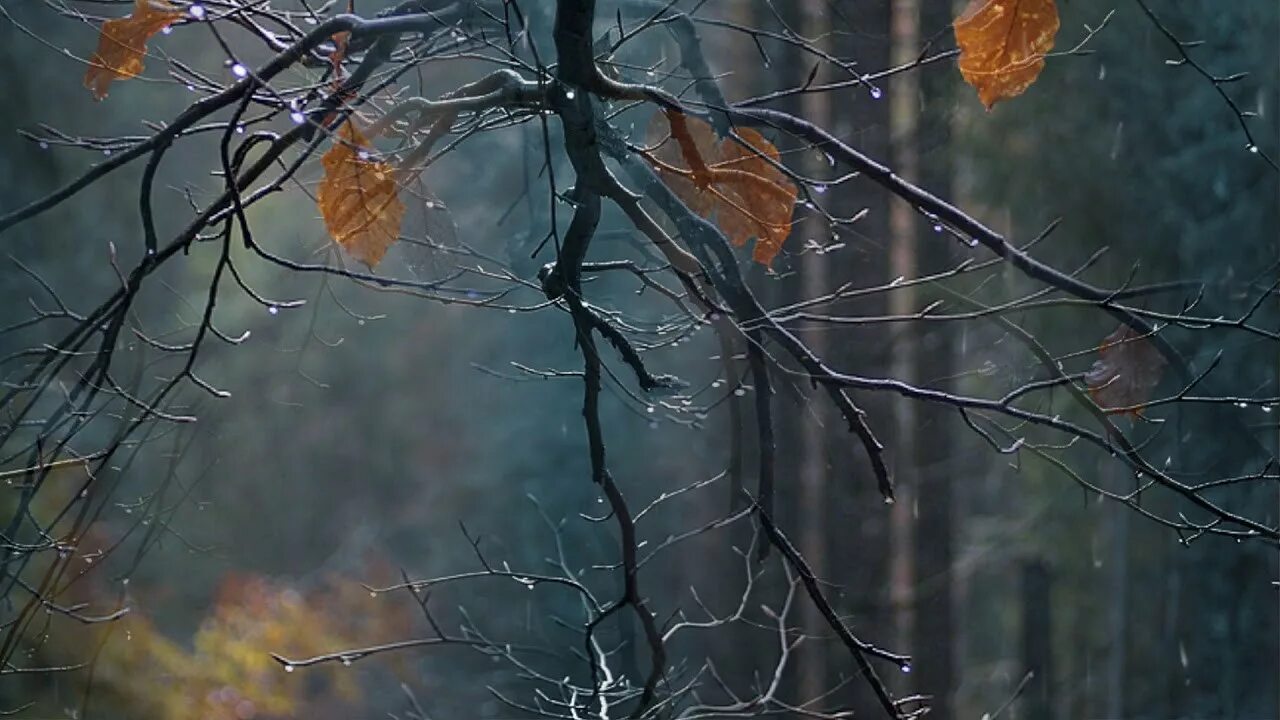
346,660
1266,408
653,424
876,93
937,227
240,129
197,11
273,310
239,70
739,392
166,30
297,117
106,151
288,668
569,94
363,155
820,189
1102,72
1252,148
649,409
905,667
44,145
360,322
373,593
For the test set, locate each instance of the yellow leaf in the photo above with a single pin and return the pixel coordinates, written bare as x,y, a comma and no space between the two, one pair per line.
358,198
122,44
733,180
1003,44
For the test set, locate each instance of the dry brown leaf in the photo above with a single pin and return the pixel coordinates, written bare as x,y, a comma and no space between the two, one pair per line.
763,209
122,44
730,179
1003,44
1128,369
700,200
358,198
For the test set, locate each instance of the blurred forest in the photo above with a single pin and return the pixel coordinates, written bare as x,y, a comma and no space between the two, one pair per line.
373,437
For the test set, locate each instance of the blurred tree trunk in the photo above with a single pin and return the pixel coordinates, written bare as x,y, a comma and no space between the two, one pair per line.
1118,626
1037,641
814,476
921,145
904,92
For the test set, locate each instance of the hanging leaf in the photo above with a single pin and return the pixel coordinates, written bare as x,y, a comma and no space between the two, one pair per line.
339,54
675,144
765,198
122,44
1003,44
358,198
1128,369
732,179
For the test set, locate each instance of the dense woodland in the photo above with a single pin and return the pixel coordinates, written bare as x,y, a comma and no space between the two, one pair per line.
728,358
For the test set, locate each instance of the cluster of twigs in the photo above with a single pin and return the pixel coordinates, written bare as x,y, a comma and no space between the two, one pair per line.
72,402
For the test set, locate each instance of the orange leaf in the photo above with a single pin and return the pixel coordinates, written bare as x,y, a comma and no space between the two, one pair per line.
339,53
358,198
123,43
1003,44
1127,370
732,180
765,197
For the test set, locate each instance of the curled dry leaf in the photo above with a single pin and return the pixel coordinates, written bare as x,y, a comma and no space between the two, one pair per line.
1003,44
1128,369
359,198
732,179
122,44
